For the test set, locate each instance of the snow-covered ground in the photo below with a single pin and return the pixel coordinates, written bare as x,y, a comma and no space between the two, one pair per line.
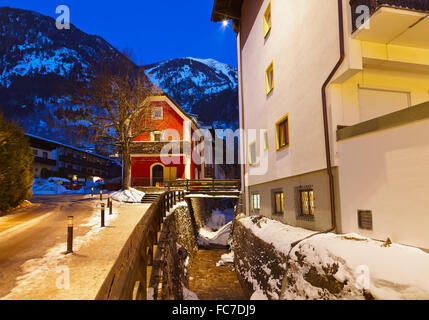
360,267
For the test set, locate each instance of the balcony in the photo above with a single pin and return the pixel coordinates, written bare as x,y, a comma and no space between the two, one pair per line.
48,162
394,22
155,148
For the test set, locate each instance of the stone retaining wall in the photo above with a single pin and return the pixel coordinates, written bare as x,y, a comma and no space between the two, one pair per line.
257,260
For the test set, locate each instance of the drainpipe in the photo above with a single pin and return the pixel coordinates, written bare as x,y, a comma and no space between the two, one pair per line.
327,143
326,127
325,117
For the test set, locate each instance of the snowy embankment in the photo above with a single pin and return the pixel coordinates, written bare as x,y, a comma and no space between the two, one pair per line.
128,196
216,231
331,266
54,186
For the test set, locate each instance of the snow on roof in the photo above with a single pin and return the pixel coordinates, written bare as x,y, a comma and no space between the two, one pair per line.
70,147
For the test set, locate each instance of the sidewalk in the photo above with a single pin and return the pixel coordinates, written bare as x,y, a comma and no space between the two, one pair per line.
78,276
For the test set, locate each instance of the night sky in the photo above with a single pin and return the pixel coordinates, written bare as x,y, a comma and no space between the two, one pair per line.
155,30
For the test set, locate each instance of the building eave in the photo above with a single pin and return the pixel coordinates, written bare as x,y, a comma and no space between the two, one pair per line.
226,10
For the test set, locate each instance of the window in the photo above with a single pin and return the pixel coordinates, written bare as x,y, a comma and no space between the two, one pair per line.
266,140
306,202
269,78
256,202
267,21
45,155
35,152
157,136
279,202
365,219
252,153
157,113
282,133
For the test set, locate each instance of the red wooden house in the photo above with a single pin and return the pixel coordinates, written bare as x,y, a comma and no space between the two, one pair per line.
167,152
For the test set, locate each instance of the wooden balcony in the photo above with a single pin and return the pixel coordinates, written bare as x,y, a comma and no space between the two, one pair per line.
394,22
156,148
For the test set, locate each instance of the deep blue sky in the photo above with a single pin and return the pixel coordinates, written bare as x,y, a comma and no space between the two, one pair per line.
155,30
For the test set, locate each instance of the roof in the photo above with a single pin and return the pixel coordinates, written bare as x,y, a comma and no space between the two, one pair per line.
187,115
226,10
57,144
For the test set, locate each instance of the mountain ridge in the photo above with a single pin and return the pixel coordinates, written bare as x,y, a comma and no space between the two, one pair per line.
35,58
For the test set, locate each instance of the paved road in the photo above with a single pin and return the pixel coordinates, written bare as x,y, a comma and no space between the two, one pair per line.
29,233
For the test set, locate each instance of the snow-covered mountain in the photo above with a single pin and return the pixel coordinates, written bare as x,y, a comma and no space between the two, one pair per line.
204,87
37,59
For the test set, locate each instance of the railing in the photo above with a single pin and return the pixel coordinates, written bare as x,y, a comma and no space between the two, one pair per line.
374,5
145,256
50,162
205,185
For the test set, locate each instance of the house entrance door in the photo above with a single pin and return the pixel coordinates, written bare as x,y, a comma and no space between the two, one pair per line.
157,175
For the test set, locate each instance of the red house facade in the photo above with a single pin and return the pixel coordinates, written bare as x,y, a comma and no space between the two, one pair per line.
173,149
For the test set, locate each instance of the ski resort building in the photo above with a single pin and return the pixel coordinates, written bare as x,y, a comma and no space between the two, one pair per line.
343,113
167,153
71,162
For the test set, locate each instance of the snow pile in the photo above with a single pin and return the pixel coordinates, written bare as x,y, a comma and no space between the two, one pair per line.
128,196
207,237
331,266
225,259
358,267
48,187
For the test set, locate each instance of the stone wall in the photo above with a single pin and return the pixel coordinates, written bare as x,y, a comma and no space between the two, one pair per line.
253,257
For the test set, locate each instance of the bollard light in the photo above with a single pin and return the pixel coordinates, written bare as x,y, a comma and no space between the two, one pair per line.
92,192
110,205
102,215
70,234
101,195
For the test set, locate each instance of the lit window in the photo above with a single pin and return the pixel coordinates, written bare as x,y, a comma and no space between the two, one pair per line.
157,113
307,202
282,133
256,202
269,78
279,207
266,140
267,21
252,153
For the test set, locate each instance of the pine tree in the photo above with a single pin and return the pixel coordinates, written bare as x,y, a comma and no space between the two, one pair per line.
16,177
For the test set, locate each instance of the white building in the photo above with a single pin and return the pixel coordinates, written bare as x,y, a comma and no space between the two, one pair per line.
343,110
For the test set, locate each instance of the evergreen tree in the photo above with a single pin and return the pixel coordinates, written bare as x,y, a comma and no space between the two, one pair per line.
16,177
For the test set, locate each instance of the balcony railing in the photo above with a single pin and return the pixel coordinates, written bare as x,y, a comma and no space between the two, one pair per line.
45,161
374,5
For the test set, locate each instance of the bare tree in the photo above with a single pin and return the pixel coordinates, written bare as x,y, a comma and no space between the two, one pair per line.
115,104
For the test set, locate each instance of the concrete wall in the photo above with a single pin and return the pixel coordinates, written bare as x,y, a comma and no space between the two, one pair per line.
387,172
318,181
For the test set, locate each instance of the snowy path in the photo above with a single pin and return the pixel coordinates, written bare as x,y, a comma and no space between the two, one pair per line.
32,254
210,282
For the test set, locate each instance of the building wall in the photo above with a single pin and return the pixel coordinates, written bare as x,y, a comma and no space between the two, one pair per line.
387,172
300,68
171,120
